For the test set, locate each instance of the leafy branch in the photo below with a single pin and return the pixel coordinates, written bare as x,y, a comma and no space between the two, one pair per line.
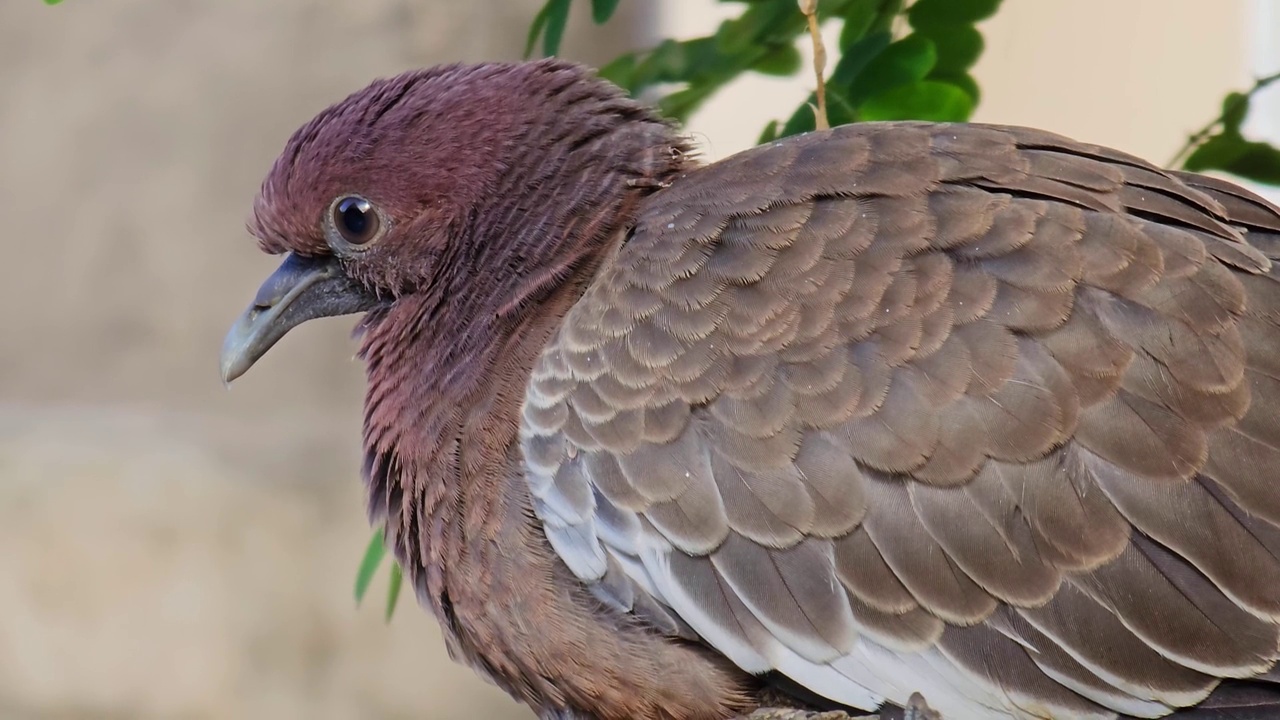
1220,145
880,74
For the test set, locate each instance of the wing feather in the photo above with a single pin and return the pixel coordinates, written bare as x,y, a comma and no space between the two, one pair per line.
976,411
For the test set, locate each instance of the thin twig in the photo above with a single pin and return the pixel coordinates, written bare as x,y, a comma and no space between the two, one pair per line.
810,10
1199,136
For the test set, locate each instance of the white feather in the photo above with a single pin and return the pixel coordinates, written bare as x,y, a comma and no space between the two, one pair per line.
732,645
579,548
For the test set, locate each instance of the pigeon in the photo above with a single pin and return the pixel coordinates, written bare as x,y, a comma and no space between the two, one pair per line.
958,420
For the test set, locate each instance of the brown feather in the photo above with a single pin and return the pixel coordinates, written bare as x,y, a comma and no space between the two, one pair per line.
793,593
973,410
835,485
1074,524
862,569
911,631
1079,626
923,567
1007,667
1197,626
980,528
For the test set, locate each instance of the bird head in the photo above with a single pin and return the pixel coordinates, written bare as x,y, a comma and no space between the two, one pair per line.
463,186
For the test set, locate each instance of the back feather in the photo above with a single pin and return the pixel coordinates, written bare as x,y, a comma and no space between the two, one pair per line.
974,411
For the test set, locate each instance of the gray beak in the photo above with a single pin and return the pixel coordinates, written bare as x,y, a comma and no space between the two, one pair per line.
301,289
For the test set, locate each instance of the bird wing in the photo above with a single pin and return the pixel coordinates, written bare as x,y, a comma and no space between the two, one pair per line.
969,410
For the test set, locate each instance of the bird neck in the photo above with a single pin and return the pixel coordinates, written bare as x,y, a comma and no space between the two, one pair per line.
441,426
441,423
448,365
447,376
444,469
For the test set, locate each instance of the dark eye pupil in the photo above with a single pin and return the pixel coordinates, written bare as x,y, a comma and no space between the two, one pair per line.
355,220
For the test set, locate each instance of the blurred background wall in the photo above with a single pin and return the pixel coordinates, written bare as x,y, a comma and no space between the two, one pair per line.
170,549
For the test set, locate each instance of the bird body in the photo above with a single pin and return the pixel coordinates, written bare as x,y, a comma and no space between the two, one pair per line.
972,411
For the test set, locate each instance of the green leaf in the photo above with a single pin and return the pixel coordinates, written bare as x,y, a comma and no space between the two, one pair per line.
839,110
769,134
666,63
929,14
802,120
925,100
535,28
681,104
700,65
783,60
958,47
858,17
886,13
904,62
557,18
369,565
1216,153
1235,106
856,58
964,81
550,20
1260,162
1231,152
703,62
621,70
393,589
602,10
773,22
52,2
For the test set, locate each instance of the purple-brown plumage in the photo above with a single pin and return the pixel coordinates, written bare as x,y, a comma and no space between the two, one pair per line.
975,411
503,186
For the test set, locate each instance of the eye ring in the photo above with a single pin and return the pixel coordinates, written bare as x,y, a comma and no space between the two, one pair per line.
354,223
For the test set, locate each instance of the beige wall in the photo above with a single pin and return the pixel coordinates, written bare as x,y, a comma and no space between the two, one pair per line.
1138,75
170,549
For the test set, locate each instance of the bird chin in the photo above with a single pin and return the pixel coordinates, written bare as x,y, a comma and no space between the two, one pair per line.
301,289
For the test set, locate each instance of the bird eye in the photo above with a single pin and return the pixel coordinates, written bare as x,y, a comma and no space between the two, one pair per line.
356,220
